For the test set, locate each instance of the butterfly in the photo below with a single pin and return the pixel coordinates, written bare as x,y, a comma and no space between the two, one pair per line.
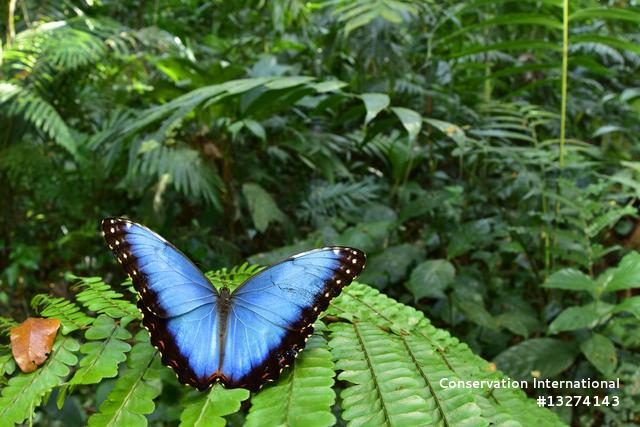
242,338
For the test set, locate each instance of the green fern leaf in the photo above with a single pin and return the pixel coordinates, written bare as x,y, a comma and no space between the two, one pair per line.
6,324
234,277
421,340
99,297
449,406
133,394
304,394
69,314
104,351
19,101
208,410
7,365
25,392
387,390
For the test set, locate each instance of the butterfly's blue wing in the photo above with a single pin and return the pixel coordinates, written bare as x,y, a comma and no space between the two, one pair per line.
272,313
179,305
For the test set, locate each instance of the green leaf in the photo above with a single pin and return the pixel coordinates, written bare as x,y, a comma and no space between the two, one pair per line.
470,302
386,388
69,314
303,396
586,316
598,13
431,278
517,322
208,410
25,392
600,351
374,103
548,356
132,396
630,305
363,304
391,265
104,350
411,120
262,207
98,296
570,279
256,129
625,276
449,129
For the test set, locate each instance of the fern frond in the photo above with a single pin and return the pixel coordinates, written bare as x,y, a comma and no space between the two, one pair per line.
132,396
449,406
6,324
359,13
104,351
326,200
7,365
208,410
303,396
69,314
421,342
22,102
24,392
185,169
97,296
386,388
234,277
71,48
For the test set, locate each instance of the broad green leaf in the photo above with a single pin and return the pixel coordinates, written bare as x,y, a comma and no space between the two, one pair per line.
471,304
431,278
570,279
209,409
287,82
548,356
625,276
517,322
262,207
451,130
601,352
411,120
391,265
256,129
586,316
328,86
374,103
629,305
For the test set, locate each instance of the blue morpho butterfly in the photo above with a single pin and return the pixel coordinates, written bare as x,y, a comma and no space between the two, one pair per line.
242,338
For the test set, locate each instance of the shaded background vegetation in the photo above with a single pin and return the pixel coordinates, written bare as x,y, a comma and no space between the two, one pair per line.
429,134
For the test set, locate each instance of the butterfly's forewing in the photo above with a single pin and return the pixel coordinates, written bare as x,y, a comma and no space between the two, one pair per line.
177,302
272,313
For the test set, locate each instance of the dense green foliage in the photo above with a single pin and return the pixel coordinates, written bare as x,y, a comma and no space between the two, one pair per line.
483,154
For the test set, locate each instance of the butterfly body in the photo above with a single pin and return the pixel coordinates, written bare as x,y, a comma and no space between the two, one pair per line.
242,338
